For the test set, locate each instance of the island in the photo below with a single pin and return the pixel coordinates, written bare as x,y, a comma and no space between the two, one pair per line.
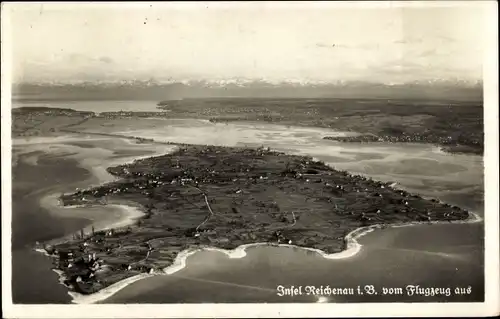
223,197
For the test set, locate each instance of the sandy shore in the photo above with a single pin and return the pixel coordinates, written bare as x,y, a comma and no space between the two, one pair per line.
352,244
127,215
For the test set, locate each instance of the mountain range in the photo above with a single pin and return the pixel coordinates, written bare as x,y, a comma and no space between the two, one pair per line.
242,88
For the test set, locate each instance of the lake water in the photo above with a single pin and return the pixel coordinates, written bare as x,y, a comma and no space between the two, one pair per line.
444,255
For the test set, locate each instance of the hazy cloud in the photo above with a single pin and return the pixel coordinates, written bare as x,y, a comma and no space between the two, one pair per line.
105,59
254,41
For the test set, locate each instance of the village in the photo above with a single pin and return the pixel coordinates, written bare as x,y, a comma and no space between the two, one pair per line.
131,114
447,141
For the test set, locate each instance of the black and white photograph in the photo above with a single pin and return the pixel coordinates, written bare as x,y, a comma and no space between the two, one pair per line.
236,159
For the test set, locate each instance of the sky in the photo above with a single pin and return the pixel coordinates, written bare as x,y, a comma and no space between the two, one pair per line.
276,42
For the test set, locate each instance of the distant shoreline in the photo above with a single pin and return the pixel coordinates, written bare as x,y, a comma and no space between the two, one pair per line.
390,121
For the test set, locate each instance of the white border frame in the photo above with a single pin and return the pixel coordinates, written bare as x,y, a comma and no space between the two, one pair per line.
490,307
